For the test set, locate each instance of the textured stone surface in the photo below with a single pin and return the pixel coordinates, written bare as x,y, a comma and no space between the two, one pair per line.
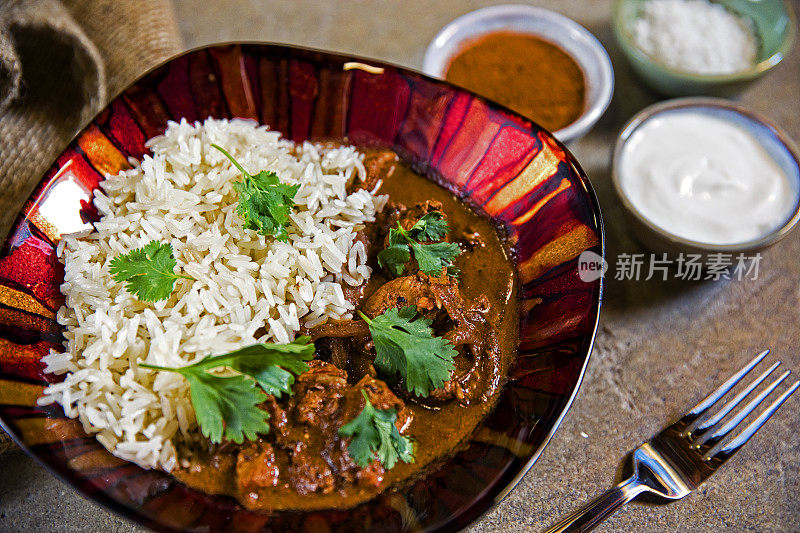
660,347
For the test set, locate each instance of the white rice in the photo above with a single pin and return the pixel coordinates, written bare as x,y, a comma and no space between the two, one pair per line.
246,283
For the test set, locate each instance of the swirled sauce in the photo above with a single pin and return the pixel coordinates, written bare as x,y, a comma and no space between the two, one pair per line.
704,178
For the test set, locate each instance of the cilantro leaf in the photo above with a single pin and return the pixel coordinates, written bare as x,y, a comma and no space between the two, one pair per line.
264,202
271,365
147,271
227,405
430,227
374,431
431,256
394,257
409,348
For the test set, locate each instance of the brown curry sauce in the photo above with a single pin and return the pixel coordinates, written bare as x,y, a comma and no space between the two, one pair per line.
302,464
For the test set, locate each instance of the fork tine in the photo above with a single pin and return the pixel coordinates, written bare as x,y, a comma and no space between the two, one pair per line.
704,425
722,431
725,387
734,445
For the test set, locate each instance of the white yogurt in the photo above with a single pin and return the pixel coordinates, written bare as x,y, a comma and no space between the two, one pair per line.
704,178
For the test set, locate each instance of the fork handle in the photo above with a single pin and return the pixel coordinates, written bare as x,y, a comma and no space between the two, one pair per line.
590,515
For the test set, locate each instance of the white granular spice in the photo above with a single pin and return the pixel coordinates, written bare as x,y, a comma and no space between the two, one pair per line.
695,36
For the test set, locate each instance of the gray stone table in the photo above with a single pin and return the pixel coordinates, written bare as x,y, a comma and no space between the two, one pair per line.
660,344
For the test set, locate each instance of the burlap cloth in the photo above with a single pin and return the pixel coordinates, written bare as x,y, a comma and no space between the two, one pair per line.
60,62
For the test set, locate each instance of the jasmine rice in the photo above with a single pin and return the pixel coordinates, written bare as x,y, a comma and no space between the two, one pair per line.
247,288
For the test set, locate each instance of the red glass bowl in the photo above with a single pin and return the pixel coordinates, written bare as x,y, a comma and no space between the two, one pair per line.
507,168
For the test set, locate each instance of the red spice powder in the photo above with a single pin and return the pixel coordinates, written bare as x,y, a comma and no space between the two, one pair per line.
528,74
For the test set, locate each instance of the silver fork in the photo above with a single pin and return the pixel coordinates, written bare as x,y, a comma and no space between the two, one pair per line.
676,461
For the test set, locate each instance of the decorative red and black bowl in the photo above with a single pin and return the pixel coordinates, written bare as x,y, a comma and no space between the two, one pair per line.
507,168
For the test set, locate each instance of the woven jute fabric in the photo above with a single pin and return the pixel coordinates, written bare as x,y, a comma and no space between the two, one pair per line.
60,62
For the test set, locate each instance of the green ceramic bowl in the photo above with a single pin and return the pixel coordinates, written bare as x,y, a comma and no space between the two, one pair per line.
774,23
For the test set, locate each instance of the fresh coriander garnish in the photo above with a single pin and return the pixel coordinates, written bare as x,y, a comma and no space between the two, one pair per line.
431,257
147,271
264,202
227,404
408,347
374,431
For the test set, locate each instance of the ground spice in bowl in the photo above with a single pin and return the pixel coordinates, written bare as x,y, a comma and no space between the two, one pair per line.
525,73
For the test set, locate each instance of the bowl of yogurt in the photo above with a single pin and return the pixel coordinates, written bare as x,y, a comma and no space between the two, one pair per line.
705,175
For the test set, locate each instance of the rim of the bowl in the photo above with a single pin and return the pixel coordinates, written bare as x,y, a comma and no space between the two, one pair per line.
594,110
624,38
703,102
601,229
471,512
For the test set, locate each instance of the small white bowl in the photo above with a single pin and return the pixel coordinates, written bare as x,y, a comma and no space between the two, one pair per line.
564,32
772,139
